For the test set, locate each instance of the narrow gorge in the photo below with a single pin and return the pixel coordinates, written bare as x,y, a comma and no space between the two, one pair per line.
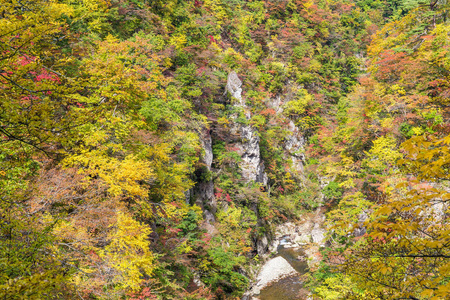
289,249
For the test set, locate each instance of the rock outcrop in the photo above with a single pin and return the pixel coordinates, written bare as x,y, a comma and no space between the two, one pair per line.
309,231
295,147
203,192
234,86
309,235
252,166
294,143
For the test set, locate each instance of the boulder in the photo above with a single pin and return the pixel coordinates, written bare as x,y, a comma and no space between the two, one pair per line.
273,270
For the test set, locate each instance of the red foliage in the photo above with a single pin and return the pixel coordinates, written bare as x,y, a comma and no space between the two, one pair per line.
230,148
206,237
211,39
228,198
391,65
145,294
219,193
268,112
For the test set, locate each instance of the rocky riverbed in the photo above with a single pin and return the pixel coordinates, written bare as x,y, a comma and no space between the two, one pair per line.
293,251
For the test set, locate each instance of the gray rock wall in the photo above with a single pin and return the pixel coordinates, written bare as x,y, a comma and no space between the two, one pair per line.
294,144
203,192
252,166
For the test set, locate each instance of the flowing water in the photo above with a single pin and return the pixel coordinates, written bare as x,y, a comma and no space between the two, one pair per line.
289,288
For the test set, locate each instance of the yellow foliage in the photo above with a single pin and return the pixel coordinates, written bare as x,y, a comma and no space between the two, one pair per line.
179,210
95,5
383,153
223,121
398,89
121,175
337,288
417,130
348,212
387,123
178,40
218,9
128,252
344,169
298,106
234,223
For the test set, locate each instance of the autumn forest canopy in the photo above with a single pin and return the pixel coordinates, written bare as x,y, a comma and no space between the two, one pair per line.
149,148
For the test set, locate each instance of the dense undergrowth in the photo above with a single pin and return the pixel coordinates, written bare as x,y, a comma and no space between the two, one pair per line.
105,106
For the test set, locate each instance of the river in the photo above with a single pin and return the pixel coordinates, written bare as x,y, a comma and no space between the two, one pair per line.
288,288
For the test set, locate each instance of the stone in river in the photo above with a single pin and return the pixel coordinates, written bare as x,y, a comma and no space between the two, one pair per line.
273,270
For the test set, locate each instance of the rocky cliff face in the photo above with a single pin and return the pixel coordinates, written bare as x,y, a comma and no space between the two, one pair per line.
203,192
252,169
252,166
245,140
294,144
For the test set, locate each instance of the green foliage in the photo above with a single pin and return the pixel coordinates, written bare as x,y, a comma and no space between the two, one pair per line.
190,83
225,276
258,121
406,130
332,191
227,252
189,223
224,156
298,107
159,112
338,287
